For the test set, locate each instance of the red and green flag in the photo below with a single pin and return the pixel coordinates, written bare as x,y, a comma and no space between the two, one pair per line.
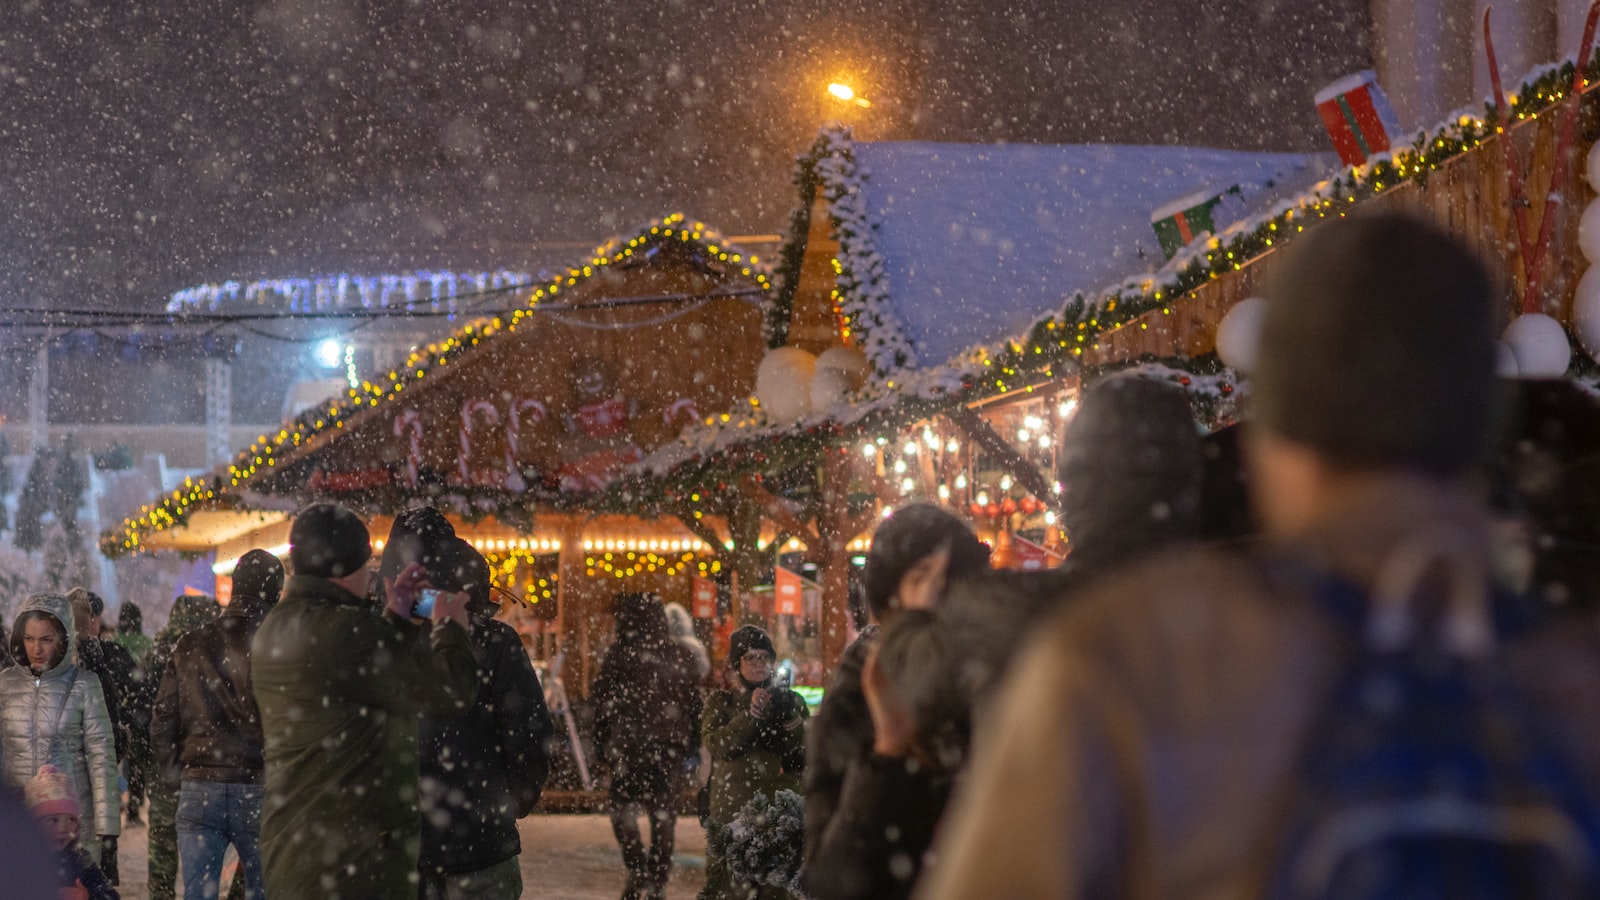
1181,221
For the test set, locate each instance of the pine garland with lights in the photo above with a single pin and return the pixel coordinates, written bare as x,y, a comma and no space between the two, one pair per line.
766,844
863,283
311,425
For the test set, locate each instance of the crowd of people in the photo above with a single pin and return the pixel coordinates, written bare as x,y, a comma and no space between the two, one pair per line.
1380,690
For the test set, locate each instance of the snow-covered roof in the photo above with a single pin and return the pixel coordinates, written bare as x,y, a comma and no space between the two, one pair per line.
976,242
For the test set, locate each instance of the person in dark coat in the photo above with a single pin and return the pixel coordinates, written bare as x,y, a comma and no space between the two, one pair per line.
131,637
115,668
189,611
206,734
647,728
913,554
482,771
340,689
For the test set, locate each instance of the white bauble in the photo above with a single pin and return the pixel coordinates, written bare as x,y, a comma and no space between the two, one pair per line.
1586,311
783,383
848,360
1593,166
1540,345
830,387
1505,361
1589,232
1239,334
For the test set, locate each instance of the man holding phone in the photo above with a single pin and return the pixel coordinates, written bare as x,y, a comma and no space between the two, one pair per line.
340,689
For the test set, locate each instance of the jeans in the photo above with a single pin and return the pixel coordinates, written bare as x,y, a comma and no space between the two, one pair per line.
211,815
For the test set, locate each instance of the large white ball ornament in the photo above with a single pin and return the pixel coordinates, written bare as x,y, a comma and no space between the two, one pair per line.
830,387
1505,361
1586,312
783,383
1589,232
1540,345
1239,333
1592,168
848,360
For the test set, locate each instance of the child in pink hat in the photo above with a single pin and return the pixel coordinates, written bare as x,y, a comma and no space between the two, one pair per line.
52,798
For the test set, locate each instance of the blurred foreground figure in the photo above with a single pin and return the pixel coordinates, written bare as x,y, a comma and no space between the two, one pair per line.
205,731
1186,730
340,688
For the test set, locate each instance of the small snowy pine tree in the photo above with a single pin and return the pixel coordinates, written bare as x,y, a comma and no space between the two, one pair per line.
34,501
768,841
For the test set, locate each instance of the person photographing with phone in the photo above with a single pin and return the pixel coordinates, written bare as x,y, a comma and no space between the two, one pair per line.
755,732
340,689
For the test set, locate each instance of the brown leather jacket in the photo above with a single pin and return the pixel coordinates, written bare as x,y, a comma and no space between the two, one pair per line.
1146,744
205,725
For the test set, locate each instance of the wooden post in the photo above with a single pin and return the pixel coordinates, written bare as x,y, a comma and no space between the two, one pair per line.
833,558
569,615
1026,473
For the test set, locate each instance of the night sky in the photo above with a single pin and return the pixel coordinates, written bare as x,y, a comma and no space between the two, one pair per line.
151,146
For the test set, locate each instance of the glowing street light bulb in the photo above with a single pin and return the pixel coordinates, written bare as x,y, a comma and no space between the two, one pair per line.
845,94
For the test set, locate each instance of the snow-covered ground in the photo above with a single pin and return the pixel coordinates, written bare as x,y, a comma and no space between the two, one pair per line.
564,857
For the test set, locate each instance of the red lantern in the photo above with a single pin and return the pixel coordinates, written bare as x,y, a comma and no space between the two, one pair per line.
1008,506
992,510
975,508
1030,505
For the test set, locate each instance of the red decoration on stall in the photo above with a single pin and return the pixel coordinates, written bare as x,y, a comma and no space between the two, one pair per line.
786,593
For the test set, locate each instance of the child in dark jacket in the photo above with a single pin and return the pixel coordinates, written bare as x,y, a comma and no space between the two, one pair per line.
53,800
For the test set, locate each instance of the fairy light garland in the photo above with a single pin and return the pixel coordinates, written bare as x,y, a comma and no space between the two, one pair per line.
265,451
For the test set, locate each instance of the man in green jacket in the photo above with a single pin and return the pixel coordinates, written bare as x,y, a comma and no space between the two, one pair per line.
340,688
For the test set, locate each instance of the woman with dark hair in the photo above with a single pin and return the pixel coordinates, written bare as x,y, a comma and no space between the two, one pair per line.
647,727
53,713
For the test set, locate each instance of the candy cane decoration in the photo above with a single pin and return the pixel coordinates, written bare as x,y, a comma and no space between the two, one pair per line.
410,422
679,407
523,409
469,414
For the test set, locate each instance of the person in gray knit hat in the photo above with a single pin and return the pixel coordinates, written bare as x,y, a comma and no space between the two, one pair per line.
1151,740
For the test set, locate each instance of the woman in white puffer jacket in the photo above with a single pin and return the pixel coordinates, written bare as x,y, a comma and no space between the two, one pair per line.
52,712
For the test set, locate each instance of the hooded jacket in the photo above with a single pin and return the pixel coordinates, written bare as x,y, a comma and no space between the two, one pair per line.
59,718
340,689
647,705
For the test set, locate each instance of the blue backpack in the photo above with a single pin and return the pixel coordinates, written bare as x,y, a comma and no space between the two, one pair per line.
1427,777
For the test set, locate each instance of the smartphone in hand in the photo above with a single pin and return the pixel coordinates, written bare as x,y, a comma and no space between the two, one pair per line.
424,607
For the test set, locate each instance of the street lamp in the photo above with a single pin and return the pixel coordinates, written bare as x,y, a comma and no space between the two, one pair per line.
844,94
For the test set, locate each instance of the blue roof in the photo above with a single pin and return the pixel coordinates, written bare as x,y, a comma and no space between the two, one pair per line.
979,241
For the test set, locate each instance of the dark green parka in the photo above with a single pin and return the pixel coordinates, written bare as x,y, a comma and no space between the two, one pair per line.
340,688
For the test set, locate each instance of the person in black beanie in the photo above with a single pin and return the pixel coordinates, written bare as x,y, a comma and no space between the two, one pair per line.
418,535
206,733
482,771
755,732
340,689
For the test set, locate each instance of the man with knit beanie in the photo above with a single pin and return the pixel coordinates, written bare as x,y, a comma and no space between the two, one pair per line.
1150,741
340,689
206,733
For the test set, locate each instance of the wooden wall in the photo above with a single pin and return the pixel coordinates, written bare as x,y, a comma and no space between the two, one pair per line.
1467,196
